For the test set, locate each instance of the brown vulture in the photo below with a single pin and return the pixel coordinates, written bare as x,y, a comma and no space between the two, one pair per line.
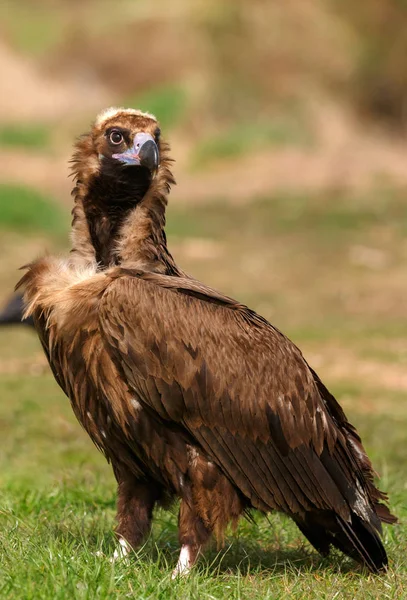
187,392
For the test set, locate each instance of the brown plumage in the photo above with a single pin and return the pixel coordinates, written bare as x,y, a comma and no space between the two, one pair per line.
187,392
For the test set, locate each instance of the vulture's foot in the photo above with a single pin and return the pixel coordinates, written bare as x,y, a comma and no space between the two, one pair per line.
122,552
187,559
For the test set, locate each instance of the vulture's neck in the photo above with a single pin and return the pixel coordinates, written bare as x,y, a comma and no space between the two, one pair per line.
129,231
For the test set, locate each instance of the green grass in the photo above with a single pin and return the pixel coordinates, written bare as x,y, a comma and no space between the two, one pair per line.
28,136
26,210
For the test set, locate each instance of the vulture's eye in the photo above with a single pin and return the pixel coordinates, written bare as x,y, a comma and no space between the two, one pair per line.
116,137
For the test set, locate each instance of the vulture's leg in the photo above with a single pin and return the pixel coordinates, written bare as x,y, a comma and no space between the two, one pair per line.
193,535
135,503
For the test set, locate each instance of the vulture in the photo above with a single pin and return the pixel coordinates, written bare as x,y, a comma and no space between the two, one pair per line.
187,392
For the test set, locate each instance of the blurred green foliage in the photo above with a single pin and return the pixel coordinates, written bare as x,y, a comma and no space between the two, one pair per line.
26,135
33,27
166,102
320,218
251,136
28,211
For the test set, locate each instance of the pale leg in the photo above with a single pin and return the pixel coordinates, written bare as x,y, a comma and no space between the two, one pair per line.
122,551
193,535
186,560
135,505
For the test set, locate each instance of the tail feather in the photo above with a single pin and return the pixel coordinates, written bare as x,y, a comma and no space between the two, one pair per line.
384,513
357,539
13,312
364,543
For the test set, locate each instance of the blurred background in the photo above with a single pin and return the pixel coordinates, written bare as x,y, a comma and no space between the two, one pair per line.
287,121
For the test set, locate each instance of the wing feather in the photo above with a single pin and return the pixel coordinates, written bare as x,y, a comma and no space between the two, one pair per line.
240,388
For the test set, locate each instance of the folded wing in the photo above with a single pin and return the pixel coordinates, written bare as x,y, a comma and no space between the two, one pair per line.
246,395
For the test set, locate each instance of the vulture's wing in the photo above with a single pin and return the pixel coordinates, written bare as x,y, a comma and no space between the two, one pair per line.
247,396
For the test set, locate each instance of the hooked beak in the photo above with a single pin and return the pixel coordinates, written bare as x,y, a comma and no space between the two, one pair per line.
144,152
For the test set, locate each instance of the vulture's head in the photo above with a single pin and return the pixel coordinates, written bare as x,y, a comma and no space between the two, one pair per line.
119,164
122,148
126,138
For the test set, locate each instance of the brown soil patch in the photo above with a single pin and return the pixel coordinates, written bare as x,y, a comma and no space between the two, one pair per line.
29,94
341,365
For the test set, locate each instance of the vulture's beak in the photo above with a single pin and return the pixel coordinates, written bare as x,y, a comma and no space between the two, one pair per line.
144,152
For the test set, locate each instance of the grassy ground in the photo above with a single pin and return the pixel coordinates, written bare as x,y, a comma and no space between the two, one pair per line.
329,272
